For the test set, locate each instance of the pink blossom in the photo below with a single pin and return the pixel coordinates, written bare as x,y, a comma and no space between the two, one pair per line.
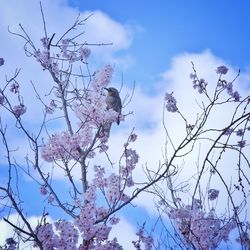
64,45
146,240
11,244
114,220
200,85
14,88
240,132
19,110
51,108
1,61
2,99
222,70
68,234
84,53
51,198
46,235
170,103
43,57
132,159
101,212
203,230
103,78
228,131
113,189
193,76
241,144
65,146
213,194
99,180
132,137
45,42
103,148
244,240
43,190
130,181
90,194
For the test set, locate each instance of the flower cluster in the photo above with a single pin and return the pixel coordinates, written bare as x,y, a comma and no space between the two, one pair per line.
99,180
201,84
84,53
240,133
68,234
80,54
94,112
89,224
2,99
146,240
244,240
43,57
228,86
198,84
241,144
46,235
1,61
51,107
170,103
43,190
234,94
213,194
93,223
11,244
14,88
87,227
222,70
113,189
112,186
228,131
62,146
51,61
132,137
131,159
88,104
19,110
65,234
200,229
244,237
102,78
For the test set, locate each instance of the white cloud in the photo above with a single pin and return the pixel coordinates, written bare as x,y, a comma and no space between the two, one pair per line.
101,28
124,232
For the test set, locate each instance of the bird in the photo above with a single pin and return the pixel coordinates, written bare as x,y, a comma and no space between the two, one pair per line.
113,101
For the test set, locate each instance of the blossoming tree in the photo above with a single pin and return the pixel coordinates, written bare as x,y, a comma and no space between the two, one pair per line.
194,203
77,100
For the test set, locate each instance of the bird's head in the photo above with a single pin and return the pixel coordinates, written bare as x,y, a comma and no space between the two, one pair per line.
112,91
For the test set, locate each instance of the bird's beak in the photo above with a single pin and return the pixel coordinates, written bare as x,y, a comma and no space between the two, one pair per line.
107,89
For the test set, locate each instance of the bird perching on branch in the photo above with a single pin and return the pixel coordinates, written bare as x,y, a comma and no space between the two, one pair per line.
113,101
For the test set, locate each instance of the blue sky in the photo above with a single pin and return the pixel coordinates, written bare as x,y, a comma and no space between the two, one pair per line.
154,42
173,27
